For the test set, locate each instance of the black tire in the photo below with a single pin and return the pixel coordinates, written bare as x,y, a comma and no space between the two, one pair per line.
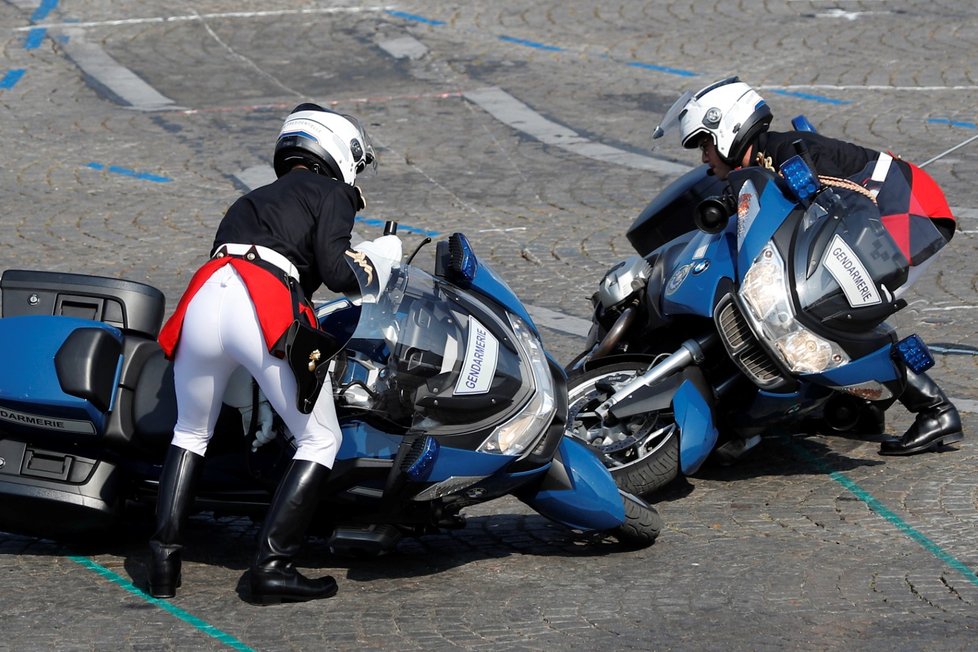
642,452
642,523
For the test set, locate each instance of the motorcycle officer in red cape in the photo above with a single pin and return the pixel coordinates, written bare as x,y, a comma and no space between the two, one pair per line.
274,247
728,121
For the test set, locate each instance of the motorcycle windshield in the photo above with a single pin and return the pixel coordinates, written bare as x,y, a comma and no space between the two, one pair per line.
435,359
847,266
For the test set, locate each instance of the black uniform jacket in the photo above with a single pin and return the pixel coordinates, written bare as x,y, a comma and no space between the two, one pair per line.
832,157
304,216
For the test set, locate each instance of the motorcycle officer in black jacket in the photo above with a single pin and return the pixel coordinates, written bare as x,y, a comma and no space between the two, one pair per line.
728,121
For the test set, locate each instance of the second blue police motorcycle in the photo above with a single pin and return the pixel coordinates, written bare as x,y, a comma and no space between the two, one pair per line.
767,318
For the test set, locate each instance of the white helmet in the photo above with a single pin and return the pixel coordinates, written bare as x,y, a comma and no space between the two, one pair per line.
329,143
729,111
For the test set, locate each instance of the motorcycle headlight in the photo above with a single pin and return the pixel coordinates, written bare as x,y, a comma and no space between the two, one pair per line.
765,293
520,432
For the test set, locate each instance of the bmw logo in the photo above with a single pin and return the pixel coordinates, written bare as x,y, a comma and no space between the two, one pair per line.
677,279
712,117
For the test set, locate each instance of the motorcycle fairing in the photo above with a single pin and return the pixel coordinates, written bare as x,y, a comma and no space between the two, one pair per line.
693,410
454,462
368,457
847,267
761,208
769,409
33,396
878,366
480,278
363,440
667,216
414,342
578,491
698,270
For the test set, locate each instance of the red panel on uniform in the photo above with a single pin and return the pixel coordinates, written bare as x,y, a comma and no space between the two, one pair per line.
926,198
899,228
271,297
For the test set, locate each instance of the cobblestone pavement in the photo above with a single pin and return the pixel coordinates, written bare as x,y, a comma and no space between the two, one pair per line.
129,127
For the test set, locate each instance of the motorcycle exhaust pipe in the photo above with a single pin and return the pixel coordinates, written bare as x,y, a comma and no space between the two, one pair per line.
689,352
615,333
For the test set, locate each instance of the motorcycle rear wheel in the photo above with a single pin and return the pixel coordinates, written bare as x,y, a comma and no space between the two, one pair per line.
642,452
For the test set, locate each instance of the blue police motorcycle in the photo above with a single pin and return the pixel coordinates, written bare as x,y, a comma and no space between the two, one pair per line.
445,395
767,318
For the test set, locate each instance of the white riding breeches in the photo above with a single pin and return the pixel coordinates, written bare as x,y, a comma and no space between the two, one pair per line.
220,333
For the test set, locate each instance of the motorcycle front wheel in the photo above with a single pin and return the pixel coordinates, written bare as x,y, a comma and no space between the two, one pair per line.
642,451
642,523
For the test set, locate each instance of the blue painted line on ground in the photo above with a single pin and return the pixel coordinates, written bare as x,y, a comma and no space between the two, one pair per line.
953,123
531,44
188,618
414,17
544,46
401,228
914,534
887,514
34,38
45,8
665,69
810,96
11,78
115,169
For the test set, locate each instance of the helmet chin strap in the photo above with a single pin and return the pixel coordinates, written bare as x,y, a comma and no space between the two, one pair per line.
316,168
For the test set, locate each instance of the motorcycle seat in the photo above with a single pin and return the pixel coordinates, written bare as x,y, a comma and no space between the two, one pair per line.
154,405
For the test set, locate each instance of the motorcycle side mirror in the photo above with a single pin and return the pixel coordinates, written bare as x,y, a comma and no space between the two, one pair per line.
713,213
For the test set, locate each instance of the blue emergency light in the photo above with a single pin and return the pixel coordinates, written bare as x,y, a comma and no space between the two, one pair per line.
462,260
800,178
914,353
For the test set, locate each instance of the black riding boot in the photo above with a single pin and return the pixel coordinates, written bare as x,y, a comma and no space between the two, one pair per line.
274,577
937,422
180,471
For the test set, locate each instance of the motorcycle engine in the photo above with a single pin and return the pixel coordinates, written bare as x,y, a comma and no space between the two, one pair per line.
623,280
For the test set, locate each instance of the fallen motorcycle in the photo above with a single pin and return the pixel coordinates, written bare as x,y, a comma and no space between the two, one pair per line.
748,314
445,395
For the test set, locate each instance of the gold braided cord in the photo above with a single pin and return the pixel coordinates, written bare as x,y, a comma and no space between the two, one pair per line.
767,162
846,184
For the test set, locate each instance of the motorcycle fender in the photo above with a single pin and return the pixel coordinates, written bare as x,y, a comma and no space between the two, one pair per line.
693,409
578,491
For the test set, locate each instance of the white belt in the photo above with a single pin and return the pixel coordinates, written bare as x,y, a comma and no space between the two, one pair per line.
258,252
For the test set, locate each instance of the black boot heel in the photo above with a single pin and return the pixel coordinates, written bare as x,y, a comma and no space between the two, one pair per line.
274,577
180,471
